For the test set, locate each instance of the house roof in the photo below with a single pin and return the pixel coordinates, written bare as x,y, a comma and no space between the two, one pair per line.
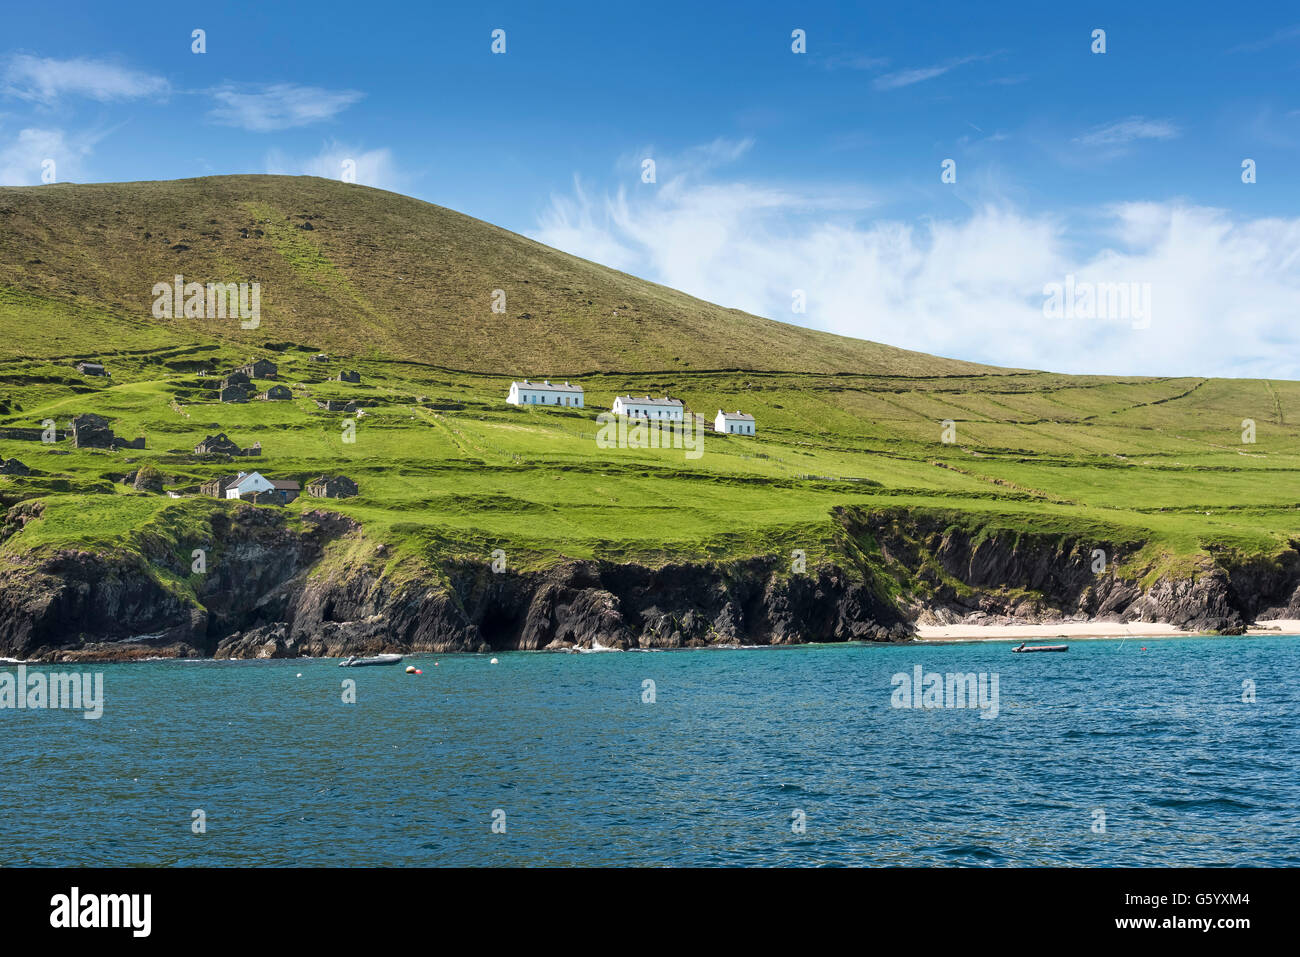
284,485
646,400
546,385
736,416
245,477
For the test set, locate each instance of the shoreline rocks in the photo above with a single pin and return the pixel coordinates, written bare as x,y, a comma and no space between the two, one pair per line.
270,591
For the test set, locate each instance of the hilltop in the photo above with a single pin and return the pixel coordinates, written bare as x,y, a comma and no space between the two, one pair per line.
882,488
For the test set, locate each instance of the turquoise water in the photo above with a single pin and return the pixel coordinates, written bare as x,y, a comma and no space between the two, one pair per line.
710,773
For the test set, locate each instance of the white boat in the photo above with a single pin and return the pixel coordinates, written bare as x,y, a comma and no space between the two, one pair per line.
352,661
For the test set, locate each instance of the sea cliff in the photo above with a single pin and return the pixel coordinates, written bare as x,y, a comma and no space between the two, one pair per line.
275,586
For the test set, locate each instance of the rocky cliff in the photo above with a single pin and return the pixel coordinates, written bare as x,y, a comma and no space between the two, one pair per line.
946,571
268,589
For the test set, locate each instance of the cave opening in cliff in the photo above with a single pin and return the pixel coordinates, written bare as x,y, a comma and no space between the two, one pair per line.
501,628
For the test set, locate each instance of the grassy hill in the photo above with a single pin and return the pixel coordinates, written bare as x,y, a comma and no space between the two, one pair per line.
399,290
375,274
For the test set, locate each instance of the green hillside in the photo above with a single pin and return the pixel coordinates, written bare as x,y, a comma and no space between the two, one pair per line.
376,274
398,290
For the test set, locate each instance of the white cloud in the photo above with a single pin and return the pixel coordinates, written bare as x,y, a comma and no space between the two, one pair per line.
1280,36
852,61
893,81
579,226
278,106
371,167
1223,290
45,80
704,236
1126,131
21,159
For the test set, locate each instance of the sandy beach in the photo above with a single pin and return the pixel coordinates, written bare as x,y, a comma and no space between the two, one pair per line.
1081,629
1285,626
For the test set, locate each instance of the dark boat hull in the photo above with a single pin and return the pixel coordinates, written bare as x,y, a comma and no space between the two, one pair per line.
1043,648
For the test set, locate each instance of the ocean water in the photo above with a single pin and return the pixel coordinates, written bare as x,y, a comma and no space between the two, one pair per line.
1151,733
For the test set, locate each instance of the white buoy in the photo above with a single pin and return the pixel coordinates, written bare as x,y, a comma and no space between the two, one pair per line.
492,662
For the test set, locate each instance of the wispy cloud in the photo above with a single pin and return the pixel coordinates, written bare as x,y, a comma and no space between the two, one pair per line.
684,226
901,78
851,61
44,80
968,286
1127,131
22,158
1280,36
705,157
278,106
374,167
672,167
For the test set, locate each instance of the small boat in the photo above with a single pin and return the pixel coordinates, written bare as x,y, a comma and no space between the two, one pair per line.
1024,647
352,661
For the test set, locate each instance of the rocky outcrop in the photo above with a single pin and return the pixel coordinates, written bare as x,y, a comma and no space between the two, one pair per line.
271,586
1264,587
952,573
74,603
265,592
575,605
147,479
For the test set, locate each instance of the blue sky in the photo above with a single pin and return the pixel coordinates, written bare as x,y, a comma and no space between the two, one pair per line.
776,172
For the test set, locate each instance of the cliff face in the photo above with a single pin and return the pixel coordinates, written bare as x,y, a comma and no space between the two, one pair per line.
578,604
947,573
117,604
267,592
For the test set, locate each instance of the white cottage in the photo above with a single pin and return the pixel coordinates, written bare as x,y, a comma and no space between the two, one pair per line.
247,483
544,393
664,409
734,423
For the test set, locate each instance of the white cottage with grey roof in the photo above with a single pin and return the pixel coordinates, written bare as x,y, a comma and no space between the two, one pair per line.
734,423
545,393
663,409
248,483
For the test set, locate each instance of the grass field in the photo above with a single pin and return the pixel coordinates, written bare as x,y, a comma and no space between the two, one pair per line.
445,467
